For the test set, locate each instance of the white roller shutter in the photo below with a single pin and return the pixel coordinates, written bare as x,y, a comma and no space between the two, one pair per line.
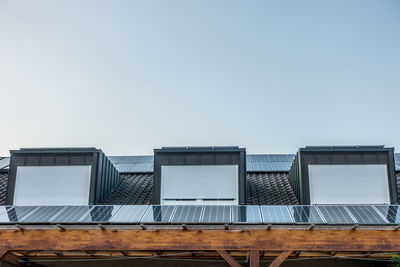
349,184
205,184
52,185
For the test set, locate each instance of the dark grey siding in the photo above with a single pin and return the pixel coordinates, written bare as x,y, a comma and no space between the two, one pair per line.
295,178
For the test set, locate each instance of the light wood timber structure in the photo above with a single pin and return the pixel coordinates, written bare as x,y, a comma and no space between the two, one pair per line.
32,242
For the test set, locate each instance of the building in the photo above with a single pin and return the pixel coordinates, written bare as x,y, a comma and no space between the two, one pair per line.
200,206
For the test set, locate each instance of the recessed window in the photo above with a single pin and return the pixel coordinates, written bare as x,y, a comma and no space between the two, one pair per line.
349,184
199,176
203,185
344,175
52,185
60,176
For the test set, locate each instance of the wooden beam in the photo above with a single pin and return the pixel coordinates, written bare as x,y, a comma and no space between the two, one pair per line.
272,240
254,258
228,258
32,255
281,258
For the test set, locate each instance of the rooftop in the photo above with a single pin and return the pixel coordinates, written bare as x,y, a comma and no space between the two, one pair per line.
266,182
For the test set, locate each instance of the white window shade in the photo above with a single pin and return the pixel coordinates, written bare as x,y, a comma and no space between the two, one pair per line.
349,184
52,185
205,184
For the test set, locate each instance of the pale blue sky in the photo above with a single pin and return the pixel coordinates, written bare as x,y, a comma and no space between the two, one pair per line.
128,76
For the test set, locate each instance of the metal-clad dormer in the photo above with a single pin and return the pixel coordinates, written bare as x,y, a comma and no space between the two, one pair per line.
199,176
344,175
60,176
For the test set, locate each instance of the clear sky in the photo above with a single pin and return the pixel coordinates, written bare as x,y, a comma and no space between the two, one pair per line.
129,76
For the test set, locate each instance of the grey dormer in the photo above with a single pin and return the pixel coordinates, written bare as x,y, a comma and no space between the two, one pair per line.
60,176
344,175
199,175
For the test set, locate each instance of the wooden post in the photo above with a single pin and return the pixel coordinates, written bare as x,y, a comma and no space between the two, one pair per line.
281,258
254,258
228,258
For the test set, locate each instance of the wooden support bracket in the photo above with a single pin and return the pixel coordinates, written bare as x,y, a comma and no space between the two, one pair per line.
19,227
281,258
228,258
61,228
7,257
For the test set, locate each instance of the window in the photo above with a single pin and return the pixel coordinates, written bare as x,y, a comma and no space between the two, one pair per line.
202,185
52,185
349,184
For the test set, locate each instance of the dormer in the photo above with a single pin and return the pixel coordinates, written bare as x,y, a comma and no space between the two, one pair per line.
60,176
344,175
199,176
